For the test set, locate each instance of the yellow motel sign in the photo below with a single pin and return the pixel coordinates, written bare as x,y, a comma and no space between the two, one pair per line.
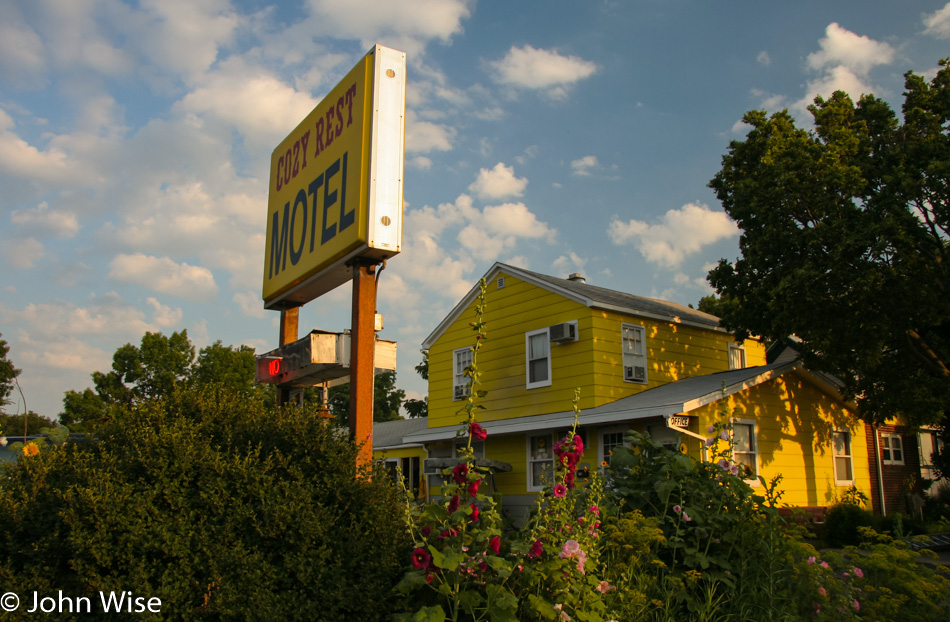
336,184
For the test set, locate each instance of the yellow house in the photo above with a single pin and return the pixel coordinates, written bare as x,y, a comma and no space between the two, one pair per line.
652,366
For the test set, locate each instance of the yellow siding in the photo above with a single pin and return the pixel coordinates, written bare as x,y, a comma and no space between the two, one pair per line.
593,363
794,426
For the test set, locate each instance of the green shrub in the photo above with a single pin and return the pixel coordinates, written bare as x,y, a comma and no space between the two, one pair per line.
222,509
842,522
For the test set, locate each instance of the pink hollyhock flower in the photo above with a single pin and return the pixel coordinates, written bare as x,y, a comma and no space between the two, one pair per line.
594,510
857,605
604,586
494,545
686,517
710,441
460,473
477,432
571,548
578,445
723,464
824,565
453,504
421,558
822,591
811,560
734,470
711,428
560,490
474,517
859,572
724,435
677,508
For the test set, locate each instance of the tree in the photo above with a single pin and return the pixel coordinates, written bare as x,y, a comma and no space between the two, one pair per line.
154,368
220,507
8,374
386,399
420,408
845,244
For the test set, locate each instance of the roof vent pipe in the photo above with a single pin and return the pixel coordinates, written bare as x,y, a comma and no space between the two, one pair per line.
577,278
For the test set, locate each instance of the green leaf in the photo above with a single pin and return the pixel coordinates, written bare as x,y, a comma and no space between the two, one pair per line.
542,607
410,581
429,614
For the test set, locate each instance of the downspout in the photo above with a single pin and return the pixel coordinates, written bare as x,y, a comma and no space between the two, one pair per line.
880,476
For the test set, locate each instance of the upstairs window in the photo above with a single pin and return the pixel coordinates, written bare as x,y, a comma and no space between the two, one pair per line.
538,358
844,475
736,357
462,359
892,450
634,353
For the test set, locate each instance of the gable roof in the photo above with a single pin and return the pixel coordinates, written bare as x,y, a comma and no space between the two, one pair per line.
674,398
588,295
390,434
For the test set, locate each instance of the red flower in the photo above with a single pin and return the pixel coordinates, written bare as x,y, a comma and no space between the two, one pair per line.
494,545
426,531
460,473
421,558
474,507
578,445
559,490
453,503
477,431
536,549
473,487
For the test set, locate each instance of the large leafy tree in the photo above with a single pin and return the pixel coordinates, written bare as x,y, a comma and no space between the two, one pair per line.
387,399
845,244
420,408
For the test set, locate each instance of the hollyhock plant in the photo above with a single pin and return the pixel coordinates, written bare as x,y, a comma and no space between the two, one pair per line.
477,432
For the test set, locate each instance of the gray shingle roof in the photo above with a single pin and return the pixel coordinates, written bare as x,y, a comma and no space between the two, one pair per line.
391,433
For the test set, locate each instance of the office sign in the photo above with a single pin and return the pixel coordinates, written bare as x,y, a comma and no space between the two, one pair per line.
336,184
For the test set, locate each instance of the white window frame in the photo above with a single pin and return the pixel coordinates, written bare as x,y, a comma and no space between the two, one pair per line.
458,373
737,352
531,460
848,455
754,441
602,454
926,458
630,359
527,358
888,449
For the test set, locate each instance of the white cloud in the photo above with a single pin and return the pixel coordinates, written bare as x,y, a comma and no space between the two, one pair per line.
844,61
938,23
42,220
569,263
425,136
681,233
498,183
531,68
19,159
21,51
582,166
250,303
763,58
22,253
64,353
106,315
183,36
163,275
841,47
251,99
406,22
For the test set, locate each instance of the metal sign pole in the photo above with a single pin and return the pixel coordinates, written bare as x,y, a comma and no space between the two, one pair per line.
289,319
362,353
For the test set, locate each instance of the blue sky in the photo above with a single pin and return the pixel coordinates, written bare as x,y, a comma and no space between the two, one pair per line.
559,135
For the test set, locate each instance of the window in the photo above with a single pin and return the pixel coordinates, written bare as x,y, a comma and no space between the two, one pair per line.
409,467
736,357
634,353
842,449
892,451
462,359
930,444
744,447
538,360
540,461
610,439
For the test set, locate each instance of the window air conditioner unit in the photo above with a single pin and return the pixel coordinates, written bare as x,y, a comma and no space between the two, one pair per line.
634,373
564,332
461,391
